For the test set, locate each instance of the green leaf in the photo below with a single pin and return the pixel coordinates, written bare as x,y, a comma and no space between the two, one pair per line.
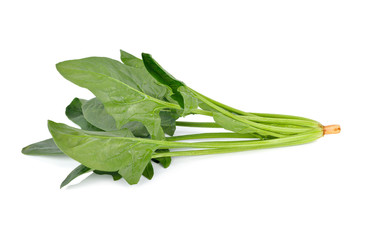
75,114
105,151
181,93
168,122
130,60
164,161
94,112
116,176
149,171
126,96
78,171
45,147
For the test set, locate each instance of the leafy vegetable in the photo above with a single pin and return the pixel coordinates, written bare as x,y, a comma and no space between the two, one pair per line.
138,102
125,98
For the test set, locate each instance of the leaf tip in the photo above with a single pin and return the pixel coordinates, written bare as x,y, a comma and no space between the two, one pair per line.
24,150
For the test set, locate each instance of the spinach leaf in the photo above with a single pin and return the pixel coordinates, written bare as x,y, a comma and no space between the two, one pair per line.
130,60
78,171
94,111
168,122
181,93
149,171
45,147
105,151
125,98
164,161
75,114
96,114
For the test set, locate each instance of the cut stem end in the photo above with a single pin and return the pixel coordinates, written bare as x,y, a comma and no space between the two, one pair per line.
331,129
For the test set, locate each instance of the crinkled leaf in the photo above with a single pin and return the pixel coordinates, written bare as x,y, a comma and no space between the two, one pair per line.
45,147
75,114
78,171
125,96
105,151
181,93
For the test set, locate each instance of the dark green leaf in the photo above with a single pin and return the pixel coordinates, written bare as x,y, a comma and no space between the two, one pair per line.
116,176
78,171
45,147
149,171
75,114
164,161
181,93
105,151
168,122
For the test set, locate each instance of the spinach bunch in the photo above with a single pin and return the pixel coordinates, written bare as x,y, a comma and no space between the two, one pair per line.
132,120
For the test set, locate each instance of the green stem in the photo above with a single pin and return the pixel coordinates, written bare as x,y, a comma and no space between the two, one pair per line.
284,121
231,109
263,144
233,144
202,112
250,114
209,135
303,123
260,128
198,124
271,115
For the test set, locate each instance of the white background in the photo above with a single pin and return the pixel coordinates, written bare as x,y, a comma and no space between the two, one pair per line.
306,58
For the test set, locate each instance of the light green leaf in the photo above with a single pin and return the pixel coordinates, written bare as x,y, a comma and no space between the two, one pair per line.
105,151
130,60
95,113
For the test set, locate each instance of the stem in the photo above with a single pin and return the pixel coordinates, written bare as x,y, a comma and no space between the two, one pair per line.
262,129
263,144
236,144
250,114
202,112
198,124
209,135
284,121
272,115
231,109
